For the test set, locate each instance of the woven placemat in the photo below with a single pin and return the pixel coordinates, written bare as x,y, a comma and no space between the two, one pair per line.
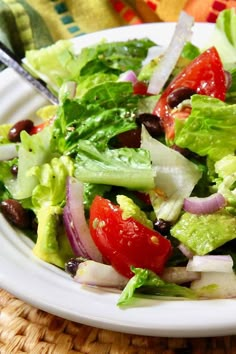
26,329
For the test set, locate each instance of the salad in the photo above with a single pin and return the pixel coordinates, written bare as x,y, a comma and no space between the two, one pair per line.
129,182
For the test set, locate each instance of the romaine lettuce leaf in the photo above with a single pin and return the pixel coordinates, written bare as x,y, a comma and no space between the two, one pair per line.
231,92
103,112
115,56
206,232
190,51
86,82
54,64
225,182
4,129
34,150
147,282
210,129
224,37
175,178
126,167
59,63
91,190
6,178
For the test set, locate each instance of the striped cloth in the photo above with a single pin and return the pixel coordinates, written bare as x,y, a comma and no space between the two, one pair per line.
32,24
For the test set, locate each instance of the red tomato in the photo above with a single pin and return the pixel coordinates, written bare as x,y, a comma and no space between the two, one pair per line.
205,75
140,88
37,128
125,243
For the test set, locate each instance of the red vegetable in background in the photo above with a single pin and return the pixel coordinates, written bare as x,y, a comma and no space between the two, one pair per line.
125,243
37,128
205,75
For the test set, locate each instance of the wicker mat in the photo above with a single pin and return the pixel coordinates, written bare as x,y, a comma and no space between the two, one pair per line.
25,329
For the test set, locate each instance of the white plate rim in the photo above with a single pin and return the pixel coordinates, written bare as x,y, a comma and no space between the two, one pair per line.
52,290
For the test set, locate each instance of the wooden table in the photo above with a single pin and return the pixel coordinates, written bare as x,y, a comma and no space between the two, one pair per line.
26,329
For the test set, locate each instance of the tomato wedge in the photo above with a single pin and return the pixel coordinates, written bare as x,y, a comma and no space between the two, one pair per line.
126,243
38,128
205,75
140,88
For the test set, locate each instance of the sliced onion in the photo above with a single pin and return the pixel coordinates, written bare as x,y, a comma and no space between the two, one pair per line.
98,274
179,275
185,250
167,63
206,205
75,223
215,285
8,151
129,76
210,263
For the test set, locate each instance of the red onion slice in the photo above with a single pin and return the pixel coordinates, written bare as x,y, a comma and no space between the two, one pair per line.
224,285
168,61
129,76
211,263
75,222
206,205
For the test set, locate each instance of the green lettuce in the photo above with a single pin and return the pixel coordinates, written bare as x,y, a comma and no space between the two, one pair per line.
103,112
115,56
6,178
210,129
225,182
34,150
125,167
175,177
190,51
206,232
85,83
224,37
4,130
60,63
147,282
54,64
90,192
231,92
